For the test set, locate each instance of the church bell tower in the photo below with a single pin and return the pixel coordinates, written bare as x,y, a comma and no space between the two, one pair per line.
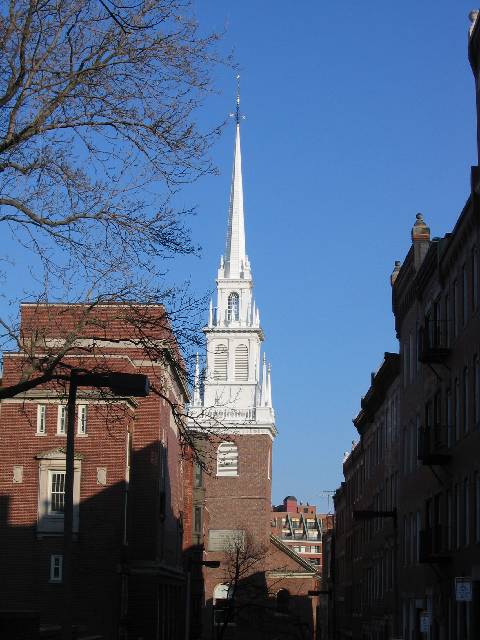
233,400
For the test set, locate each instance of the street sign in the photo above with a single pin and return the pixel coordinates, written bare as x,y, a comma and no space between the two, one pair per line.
463,589
424,621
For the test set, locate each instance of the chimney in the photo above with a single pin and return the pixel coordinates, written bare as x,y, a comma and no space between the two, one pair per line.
421,240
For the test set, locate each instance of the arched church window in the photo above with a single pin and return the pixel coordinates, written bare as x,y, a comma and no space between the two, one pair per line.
220,361
241,363
233,311
227,459
223,613
283,600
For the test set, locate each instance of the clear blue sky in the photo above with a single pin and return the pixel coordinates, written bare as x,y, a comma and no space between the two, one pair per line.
359,115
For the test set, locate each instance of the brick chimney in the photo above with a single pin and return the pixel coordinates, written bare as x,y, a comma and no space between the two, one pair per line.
421,240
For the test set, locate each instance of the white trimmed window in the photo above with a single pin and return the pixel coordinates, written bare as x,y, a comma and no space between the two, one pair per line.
227,459
56,493
233,310
220,362
41,419
82,419
51,494
62,420
56,568
241,363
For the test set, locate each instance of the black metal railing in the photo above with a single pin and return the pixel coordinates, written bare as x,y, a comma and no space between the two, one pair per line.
433,545
433,445
434,341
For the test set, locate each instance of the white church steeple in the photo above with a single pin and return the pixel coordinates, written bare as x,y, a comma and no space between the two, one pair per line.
236,387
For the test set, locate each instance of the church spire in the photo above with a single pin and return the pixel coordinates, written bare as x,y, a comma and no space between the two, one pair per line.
236,261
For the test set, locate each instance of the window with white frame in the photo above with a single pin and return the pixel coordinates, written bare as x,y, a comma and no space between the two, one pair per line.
41,419
82,419
62,420
223,612
56,568
51,493
56,492
227,459
233,311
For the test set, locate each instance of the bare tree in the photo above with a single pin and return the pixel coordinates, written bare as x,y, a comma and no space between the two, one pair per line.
98,103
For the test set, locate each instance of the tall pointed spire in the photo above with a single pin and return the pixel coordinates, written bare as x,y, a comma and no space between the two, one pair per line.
236,261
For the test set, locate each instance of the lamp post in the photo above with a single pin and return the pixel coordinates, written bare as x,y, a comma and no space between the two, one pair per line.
212,564
370,514
128,384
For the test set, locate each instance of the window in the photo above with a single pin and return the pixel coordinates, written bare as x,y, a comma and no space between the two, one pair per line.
82,419
476,390
449,418
197,520
56,493
465,399
457,516
411,357
227,459
41,420
223,613
283,601
198,476
62,420
220,362
466,513
241,363
454,308
233,311
477,507
56,568
474,279
465,294
448,321
51,494
457,409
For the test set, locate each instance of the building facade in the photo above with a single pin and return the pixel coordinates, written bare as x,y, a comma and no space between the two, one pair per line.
301,528
130,489
419,528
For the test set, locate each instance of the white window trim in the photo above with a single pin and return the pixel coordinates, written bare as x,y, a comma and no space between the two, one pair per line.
82,409
62,407
53,559
49,523
41,420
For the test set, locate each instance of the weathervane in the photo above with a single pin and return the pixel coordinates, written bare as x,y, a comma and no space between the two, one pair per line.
237,115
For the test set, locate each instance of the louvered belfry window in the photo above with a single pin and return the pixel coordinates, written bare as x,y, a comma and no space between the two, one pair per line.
227,459
220,362
241,363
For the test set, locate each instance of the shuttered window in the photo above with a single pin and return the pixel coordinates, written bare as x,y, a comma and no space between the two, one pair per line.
220,362
241,363
227,459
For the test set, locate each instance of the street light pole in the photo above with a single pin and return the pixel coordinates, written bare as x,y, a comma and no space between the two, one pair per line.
68,508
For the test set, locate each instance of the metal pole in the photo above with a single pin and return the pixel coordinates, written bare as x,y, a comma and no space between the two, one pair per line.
68,510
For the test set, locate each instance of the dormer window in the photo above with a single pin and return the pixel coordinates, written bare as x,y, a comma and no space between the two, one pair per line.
233,311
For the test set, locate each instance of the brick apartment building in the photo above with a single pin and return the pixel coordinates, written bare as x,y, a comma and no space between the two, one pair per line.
366,548
300,527
131,485
431,585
